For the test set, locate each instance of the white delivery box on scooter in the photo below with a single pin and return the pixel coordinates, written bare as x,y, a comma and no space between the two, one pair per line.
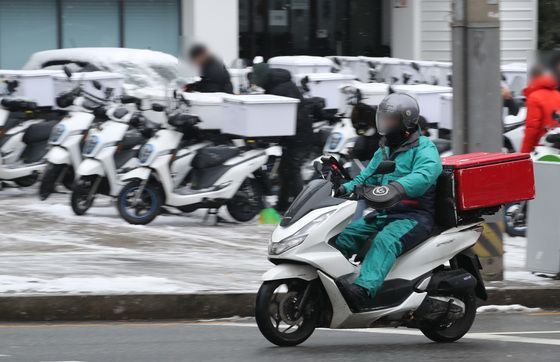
446,117
209,108
371,94
515,75
302,64
34,85
325,85
428,97
352,65
260,115
108,80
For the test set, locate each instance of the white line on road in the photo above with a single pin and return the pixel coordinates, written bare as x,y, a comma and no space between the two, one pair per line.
488,336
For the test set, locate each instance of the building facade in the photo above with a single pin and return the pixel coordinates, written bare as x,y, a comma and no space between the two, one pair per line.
415,29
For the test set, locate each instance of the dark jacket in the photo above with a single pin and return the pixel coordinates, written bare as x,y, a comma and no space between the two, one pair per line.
279,83
215,78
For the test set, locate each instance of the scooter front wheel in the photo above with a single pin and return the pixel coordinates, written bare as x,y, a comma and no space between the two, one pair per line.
81,200
283,317
48,181
139,204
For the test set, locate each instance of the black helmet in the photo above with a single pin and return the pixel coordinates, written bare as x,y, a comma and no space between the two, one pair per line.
397,111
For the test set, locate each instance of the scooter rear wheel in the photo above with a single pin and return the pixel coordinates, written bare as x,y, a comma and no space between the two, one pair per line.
276,312
139,209
457,329
247,201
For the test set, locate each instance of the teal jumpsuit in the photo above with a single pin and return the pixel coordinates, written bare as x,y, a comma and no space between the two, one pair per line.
402,226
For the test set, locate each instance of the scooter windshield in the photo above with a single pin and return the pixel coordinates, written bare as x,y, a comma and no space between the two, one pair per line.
316,195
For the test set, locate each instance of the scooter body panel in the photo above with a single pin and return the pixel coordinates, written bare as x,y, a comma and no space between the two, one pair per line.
58,156
140,173
291,271
226,185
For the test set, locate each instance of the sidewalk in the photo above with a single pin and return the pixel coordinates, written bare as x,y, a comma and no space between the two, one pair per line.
101,262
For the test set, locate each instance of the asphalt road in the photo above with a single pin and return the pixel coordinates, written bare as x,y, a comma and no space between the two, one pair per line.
495,337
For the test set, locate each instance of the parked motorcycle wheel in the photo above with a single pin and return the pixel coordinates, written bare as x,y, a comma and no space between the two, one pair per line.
80,199
455,330
27,180
515,218
139,209
51,177
247,202
276,312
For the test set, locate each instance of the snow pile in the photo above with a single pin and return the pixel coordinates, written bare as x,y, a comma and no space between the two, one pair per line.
512,308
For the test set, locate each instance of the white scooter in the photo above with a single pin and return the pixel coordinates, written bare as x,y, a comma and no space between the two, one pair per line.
220,176
24,134
110,150
431,287
68,136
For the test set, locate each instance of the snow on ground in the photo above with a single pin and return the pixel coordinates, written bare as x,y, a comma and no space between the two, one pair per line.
45,248
513,308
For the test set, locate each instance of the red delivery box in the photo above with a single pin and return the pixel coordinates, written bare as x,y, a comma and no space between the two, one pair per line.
484,179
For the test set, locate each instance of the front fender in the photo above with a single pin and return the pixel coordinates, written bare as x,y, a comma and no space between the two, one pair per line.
90,167
58,156
142,173
291,271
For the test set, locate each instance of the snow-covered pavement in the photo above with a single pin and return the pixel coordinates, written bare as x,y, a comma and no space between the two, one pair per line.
45,248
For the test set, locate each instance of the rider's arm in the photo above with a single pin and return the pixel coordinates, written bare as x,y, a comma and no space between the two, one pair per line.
425,172
534,125
365,174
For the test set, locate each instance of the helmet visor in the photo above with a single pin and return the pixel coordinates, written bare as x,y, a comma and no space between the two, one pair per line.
387,122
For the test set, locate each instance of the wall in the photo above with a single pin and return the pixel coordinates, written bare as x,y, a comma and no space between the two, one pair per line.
405,25
214,23
518,32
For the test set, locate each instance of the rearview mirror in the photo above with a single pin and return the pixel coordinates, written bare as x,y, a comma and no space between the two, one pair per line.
385,167
318,167
415,66
337,61
96,84
67,71
304,82
156,107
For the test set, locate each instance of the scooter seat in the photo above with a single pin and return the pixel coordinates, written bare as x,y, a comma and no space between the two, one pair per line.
38,132
442,145
131,140
213,156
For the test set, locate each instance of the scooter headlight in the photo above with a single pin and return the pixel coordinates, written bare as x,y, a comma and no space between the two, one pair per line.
334,140
90,145
277,248
57,134
145,153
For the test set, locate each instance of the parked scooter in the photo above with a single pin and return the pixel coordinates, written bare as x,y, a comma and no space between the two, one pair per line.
220,175
433,287
548,150
24,134
110,150
67,138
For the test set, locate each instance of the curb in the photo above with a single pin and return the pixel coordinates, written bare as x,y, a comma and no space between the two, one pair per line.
193,306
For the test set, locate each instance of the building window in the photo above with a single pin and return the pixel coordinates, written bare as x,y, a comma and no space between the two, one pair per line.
87,23
26,26
151,24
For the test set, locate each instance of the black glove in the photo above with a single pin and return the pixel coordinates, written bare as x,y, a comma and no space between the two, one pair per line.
381,197
339,191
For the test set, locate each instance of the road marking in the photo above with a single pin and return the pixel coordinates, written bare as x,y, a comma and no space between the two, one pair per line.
509,336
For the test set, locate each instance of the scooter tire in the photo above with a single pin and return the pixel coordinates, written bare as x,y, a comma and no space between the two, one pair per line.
264,322
153,194
458,328
512,230
80,190
48,181
247,202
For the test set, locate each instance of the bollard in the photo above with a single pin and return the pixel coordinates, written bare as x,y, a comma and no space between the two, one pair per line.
490,250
